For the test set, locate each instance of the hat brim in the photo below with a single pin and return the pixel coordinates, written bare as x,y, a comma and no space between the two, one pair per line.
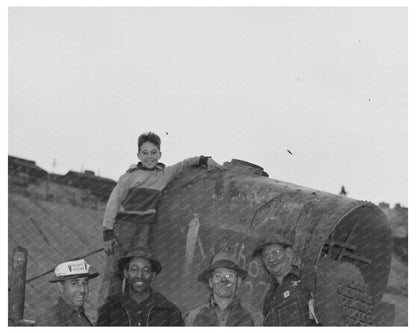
123,262
70,277
259,249
204,276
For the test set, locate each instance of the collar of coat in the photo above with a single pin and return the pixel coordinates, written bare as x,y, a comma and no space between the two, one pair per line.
156,300
139,166
294,272
66,311
213,303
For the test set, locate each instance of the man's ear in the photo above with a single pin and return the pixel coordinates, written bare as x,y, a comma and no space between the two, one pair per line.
210,282
160,154
239,281
262,263
125,272
60,286
289,253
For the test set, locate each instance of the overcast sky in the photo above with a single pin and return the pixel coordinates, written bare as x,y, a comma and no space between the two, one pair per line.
328,84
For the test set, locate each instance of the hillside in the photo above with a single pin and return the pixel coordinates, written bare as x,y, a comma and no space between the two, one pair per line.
56,222
53,232
397,289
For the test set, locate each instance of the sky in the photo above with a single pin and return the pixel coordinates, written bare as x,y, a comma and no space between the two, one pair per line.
328,84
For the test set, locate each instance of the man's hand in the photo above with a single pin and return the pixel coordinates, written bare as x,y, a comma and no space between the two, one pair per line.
211,164
110,246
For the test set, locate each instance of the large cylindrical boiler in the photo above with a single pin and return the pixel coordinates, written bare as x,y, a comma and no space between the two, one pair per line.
202,212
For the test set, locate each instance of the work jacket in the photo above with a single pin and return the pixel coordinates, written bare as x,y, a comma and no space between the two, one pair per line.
156,310
62,314
131,207
138,190
209,314
287,304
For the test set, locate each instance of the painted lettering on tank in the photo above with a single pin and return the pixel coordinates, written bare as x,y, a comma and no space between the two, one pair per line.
191,239
201,248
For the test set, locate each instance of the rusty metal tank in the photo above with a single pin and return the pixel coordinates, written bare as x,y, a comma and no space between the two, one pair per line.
202,212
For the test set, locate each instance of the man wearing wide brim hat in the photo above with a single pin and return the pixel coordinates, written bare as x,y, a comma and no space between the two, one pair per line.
143,253
270,240
223,276
72,279
138,304
286,301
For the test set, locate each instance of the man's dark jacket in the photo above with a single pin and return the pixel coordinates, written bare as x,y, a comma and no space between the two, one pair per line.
287,304
116,312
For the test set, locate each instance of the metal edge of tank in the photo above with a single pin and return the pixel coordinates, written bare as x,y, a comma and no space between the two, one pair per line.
315,252
377,290
345,206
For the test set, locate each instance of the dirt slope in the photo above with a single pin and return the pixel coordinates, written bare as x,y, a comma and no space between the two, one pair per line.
52,232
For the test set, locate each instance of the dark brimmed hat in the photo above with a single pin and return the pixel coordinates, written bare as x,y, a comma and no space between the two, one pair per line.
222,260
142,253
270,240
72,270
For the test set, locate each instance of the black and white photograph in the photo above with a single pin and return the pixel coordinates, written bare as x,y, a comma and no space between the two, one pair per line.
207,165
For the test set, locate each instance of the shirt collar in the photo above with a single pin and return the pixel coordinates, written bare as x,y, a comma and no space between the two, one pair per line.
213,303
152,300
159,166
66,311
294,272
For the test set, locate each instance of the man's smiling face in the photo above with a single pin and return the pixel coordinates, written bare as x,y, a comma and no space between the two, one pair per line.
277,259
139,275
75,291
224,282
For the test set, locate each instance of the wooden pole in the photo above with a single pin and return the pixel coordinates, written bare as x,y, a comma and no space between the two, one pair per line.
18,288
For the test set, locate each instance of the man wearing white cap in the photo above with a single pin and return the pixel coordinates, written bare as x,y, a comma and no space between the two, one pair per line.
72,279
224,277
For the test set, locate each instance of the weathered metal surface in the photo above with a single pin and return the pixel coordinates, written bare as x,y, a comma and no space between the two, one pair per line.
202,212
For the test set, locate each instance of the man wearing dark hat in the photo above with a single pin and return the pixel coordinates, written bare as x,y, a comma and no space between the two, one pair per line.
286,302
72,281
139,305
224,277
